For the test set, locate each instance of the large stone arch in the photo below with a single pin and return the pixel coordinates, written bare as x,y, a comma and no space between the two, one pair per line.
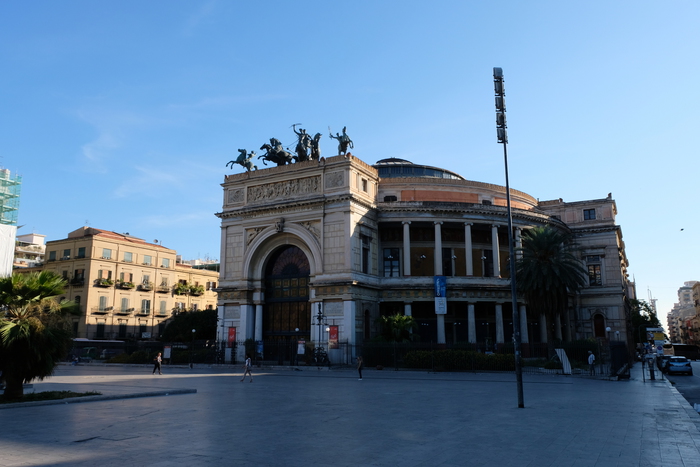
270,239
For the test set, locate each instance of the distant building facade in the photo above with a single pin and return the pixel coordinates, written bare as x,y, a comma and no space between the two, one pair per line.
10,188
681,318
126,288
29,250
323,248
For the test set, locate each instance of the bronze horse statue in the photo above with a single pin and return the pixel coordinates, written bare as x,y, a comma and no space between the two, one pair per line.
244,159
276,153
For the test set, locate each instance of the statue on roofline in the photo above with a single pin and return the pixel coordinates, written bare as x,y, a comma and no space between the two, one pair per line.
344,141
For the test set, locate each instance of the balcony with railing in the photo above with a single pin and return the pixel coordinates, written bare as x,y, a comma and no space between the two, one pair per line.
104,282
123,311
163,289
101,310
77,282
146,286
126,285
143,312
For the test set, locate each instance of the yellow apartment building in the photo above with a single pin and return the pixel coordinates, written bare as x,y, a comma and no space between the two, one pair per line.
126,287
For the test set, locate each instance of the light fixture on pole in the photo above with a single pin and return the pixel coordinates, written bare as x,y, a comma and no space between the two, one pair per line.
502,133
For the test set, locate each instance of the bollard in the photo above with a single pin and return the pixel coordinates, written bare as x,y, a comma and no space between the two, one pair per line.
652,375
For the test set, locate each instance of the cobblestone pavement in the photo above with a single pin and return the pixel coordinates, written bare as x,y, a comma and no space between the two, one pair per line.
312,417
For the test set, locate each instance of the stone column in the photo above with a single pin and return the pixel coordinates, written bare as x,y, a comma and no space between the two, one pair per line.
468,248
471,322
440,329
543,328
496,255
222,263
518,241
406,248
557,327
438,250
499,323
523,325
258,322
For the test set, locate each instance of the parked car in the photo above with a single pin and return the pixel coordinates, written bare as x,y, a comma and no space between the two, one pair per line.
679,365
662,362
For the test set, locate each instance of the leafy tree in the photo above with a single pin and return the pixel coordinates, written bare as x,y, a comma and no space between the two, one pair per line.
34,328
397,328
179,328
642,316
547,272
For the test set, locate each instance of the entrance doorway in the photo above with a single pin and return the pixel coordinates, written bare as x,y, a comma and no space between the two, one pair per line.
287,311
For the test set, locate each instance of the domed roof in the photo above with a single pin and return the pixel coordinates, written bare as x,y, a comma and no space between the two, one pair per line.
401,168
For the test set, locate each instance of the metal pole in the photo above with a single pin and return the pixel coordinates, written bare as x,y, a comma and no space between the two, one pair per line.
517,342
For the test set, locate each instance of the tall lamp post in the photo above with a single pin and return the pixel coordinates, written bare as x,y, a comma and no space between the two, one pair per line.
192,350
502,134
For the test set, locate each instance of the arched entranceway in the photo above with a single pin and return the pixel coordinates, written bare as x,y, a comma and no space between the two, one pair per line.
287,311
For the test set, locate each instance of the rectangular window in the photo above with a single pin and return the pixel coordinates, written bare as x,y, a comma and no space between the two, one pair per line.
588,214
166,263
164,282
65,275
195,307
80,274
128,257
391,262
364,185
147,261
146,279
125,305
146,307
161,310
52,256
594,275
66,254
81,252
103,303
447,258
366,240
106,253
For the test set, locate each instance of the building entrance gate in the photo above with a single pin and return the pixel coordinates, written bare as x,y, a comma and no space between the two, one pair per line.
287,311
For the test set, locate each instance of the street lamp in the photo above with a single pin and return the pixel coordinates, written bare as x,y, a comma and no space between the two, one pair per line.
192,350
502,134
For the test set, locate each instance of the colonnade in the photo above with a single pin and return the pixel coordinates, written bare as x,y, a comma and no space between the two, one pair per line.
471,320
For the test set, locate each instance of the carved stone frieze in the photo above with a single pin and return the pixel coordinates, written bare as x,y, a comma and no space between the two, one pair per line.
334,179
284,189
252,233
310,227
235,196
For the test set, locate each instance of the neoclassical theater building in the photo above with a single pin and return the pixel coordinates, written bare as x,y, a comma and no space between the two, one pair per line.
354,241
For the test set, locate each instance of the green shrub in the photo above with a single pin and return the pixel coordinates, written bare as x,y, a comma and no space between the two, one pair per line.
459,360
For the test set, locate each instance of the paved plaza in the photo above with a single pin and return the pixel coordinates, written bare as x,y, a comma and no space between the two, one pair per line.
312,417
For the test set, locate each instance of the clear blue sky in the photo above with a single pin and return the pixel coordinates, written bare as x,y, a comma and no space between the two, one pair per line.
124,114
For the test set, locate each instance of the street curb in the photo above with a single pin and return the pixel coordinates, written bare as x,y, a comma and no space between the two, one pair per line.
76,400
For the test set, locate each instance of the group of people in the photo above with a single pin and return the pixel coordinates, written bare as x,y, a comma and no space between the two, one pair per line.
248,366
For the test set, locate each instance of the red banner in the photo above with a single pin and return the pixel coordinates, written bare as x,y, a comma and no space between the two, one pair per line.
231,336
333,337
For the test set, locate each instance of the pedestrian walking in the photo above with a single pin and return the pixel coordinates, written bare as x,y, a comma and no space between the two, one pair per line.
157,367
247,367
359,366
591,363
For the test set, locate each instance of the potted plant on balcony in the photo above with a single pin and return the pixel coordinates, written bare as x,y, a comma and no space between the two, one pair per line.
102,282
197,290
147,285
181,288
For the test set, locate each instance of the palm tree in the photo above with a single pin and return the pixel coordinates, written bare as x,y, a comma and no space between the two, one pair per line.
34,329
547,273
398,328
